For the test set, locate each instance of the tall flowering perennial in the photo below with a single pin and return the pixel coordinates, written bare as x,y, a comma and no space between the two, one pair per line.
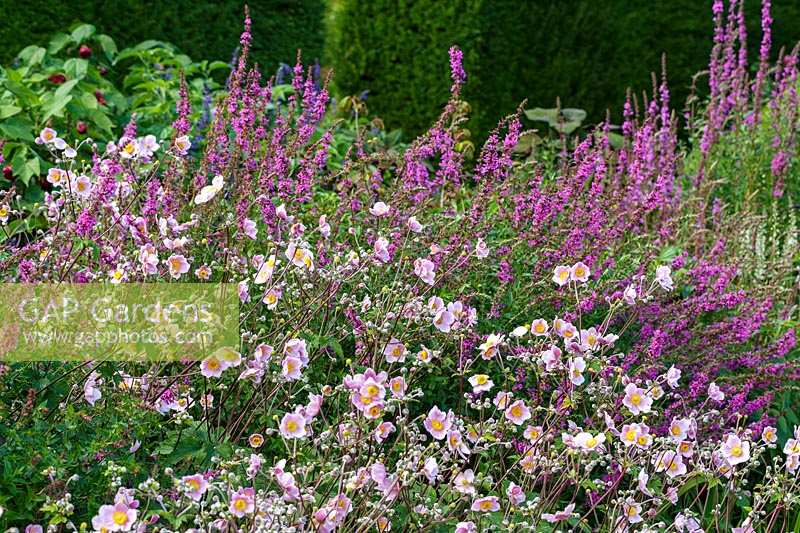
424,345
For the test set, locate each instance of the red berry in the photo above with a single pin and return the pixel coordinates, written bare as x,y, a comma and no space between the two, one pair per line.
100,98
85,52
103,71
8,172
57,79
81,127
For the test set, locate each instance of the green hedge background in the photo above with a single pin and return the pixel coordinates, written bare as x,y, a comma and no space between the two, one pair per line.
588,52
585,51
202,29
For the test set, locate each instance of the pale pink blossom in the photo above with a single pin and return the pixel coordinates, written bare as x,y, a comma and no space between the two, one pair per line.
414,225
518,413
487,504
735,450
195,486
561,275
293,426
242,502
579,272
424,269
437,423
379,209
480,383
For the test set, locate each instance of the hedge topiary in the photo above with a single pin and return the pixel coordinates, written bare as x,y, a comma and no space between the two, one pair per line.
397,49
584,51
202,29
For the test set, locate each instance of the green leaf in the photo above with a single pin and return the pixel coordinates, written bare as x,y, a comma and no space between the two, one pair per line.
58,42
573,114
183,60
55,105
101,120
75,68
336,347
32,55
18,127
65,89
107,44
8,111
540,114
22,91
82,32
89,101
216,65
668,254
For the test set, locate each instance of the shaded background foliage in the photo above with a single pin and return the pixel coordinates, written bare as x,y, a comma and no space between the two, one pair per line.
584,51
202,29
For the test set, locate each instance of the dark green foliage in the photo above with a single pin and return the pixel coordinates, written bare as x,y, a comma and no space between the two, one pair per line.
584,51
201,29
397,49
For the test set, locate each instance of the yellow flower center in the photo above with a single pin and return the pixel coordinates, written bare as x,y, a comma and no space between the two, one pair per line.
240,504
591,442
636,399
437,425
630,435
119,518
291,426
736,451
